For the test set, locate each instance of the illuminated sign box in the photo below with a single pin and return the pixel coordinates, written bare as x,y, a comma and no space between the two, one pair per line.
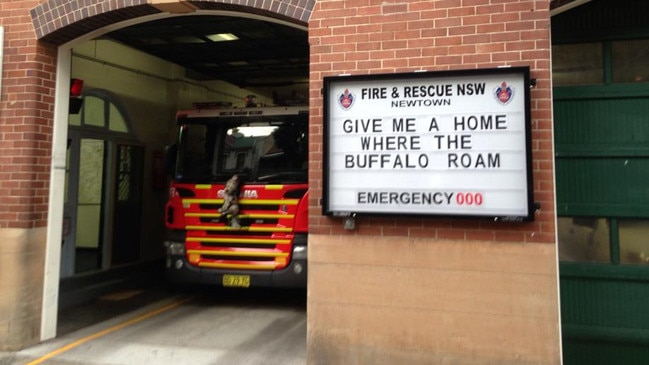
451,143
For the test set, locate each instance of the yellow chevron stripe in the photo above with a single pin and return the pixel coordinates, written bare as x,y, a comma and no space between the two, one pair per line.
217,215
261,241
237,266
274,187
238,253
244,201
228,228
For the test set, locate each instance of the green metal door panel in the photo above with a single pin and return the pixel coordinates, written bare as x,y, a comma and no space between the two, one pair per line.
601,134
605,303
617,186
584,352
604,314
598,127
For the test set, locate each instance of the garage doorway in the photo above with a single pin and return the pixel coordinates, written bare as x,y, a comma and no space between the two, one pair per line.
266,66
101,223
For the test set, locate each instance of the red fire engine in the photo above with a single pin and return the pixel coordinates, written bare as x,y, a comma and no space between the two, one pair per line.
264,241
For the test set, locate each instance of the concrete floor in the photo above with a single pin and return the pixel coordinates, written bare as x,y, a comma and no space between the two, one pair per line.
153,326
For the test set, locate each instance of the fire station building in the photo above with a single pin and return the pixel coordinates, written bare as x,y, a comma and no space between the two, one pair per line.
561,276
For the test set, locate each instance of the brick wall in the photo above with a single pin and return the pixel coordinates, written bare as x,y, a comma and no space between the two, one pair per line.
360,37
26,111
33,29
409,290
459,266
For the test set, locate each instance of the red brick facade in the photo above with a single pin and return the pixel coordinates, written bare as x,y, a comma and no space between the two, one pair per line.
26,113
473,261
409,290
385,37
33,29
371,37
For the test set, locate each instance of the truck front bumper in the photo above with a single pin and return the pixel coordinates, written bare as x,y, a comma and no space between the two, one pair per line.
179,271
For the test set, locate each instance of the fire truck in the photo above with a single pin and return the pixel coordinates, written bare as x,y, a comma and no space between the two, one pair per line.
267,149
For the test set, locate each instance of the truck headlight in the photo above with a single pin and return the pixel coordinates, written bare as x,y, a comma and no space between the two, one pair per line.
300,252
175,248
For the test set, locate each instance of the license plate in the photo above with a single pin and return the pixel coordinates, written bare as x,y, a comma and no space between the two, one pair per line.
240,281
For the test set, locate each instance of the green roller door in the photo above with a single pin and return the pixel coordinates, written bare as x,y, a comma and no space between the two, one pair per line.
601,126
602,173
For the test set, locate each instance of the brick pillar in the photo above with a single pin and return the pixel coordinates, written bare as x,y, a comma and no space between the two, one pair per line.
26,116
413,290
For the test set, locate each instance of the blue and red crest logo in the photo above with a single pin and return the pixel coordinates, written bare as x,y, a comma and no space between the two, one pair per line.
346,99
504,93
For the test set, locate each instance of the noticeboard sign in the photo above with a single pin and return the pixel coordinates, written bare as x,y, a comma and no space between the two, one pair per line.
451,143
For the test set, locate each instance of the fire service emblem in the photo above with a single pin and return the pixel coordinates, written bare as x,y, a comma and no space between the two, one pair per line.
504,93
346,99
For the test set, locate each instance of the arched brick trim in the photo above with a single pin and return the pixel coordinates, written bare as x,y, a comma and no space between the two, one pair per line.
59,21
294,11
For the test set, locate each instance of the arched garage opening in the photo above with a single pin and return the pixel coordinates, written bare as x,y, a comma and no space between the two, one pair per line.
155,59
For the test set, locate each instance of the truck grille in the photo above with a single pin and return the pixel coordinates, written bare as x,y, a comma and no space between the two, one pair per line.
264,241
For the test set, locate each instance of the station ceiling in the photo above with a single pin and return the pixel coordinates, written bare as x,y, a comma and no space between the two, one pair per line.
245,52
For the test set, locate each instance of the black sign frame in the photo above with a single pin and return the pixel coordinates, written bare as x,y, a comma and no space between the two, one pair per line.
525,208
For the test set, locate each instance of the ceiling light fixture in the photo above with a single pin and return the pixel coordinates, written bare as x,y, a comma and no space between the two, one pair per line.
222,37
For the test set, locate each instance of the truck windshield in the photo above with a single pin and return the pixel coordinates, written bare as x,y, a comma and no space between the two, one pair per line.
261,149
